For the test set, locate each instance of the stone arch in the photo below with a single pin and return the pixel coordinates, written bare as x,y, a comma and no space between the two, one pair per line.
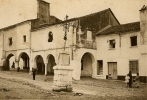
6,64
21,54
50,64
87,64
39,64
24,61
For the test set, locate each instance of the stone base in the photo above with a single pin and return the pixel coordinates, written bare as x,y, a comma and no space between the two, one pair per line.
62,78
66,89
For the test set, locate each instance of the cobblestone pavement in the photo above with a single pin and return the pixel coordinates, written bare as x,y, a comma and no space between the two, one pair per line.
96,87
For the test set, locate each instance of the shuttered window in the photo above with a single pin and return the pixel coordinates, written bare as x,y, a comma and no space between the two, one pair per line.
133,66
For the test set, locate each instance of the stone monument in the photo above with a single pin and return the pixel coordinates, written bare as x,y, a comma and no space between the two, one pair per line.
63,74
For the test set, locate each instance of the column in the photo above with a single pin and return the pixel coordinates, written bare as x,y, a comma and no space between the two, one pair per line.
46,68
28,64
16,63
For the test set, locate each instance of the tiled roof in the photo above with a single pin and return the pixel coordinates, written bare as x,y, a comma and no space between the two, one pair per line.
121,28
89,16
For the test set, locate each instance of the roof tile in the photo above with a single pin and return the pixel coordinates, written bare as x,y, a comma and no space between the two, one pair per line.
121,28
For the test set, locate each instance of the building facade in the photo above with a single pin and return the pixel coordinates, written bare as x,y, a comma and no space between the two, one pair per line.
124,49
37,43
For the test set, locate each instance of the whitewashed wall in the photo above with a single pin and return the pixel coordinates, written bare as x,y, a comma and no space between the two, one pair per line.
122,55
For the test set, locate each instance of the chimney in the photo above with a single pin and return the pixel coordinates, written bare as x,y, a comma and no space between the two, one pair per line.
43,12
143,25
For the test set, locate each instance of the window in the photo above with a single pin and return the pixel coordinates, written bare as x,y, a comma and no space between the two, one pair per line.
133,66
50,37
10,41
133,41
24,38
111,43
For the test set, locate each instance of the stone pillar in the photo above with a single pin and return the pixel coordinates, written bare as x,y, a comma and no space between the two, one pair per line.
63,74
31,66
62,78
143,25
23,64
16,63
45,68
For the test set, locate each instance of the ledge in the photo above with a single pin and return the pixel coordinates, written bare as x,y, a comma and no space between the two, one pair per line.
111,49
58,67
133,46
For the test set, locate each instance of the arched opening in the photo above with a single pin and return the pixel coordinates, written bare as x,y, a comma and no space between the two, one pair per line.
10,60
86,65
51,63
40,65
24,61
12,63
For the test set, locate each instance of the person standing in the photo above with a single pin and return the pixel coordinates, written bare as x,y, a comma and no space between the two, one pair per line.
130,80
127,80
13,65
137,80
33,73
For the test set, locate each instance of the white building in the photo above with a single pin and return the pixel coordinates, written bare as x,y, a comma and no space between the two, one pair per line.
38,43
123,48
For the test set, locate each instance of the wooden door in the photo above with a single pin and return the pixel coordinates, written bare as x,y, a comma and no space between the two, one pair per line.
112,69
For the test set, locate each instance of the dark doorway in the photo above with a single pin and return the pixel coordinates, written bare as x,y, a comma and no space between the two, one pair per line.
26,60
40,65
100,67
51,64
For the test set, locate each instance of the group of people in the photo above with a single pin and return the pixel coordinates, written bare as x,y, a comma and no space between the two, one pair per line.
129,80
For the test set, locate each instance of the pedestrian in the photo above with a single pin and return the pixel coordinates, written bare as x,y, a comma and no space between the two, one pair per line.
33,73
130,80
13,65
137,80
18,69
127,80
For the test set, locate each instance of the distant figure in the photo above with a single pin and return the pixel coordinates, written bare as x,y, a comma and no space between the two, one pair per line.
18,69
13,65
109,77
33,73
130,80
137,80
127,80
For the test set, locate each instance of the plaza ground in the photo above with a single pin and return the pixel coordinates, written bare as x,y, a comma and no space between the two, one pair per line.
19,85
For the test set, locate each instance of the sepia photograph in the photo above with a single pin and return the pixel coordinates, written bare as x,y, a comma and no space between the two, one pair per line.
73,49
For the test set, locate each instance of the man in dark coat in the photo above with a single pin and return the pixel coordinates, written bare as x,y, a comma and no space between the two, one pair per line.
33,73
130,80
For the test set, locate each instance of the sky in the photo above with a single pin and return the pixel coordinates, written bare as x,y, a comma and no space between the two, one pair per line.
15,11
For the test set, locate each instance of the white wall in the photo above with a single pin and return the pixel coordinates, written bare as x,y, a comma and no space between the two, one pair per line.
40,38
122,55
23,29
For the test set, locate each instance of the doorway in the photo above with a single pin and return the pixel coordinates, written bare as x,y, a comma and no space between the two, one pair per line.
112,70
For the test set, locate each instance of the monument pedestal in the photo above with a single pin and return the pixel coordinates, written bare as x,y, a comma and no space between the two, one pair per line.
63,74
62,78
